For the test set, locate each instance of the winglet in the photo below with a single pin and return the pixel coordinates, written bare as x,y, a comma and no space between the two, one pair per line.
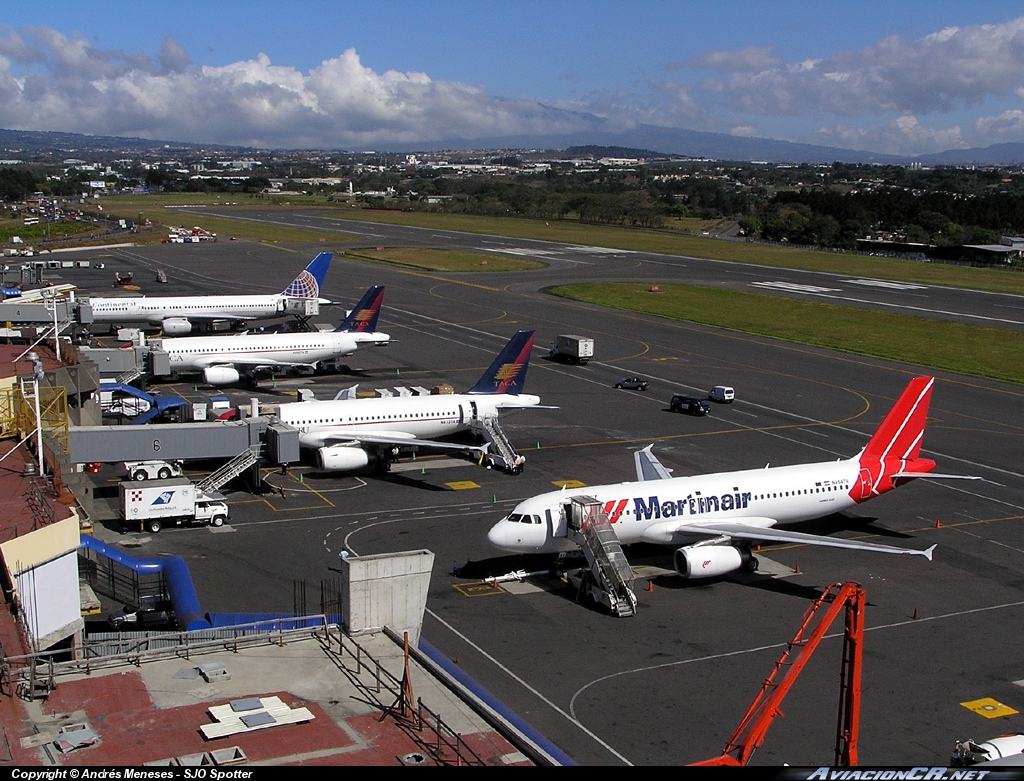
927,552
507,374
363,319
309,281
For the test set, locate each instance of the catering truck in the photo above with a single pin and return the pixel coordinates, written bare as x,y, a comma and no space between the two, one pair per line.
572,348
153,504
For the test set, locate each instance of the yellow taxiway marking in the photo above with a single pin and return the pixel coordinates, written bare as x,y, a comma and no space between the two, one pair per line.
478,589
989,708
462,485
568,484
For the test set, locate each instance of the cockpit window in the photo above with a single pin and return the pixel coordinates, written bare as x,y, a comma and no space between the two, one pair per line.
516,518
536,519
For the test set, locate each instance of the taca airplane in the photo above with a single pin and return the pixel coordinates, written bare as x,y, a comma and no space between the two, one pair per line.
224,359
176,314
351,433
722,515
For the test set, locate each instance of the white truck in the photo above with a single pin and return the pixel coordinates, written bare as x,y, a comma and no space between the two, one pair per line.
572,348
151,504
152,470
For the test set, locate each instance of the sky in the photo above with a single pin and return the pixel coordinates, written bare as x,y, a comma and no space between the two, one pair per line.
906,78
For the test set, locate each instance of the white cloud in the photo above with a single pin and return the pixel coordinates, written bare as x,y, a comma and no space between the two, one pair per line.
901,136
51,82
950,68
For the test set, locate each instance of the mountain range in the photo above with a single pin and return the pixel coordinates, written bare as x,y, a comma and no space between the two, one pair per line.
22,144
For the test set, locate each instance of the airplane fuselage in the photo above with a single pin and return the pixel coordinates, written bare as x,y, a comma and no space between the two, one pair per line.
289,349
156,309
423,417
638,509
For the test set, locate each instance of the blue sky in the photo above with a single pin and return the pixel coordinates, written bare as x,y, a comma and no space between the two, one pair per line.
905,77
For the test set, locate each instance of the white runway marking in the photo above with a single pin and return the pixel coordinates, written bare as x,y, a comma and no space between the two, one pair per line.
794,287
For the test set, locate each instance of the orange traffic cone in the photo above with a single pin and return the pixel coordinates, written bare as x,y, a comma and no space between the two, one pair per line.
797,570
938,524
650,586
915,614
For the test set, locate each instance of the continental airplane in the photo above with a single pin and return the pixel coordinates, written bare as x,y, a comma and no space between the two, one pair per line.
716,518
351,433
176,314
224,359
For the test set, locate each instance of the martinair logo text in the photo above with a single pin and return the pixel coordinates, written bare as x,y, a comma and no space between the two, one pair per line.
693,504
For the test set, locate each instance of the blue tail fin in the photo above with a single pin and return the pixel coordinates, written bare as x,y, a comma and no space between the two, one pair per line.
309,281
508,372
363,319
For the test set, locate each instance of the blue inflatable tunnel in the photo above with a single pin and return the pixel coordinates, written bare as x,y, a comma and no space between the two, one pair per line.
184,601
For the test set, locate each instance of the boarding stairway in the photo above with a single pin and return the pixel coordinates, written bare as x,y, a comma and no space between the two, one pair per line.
610,580
125,378
229,471
506,457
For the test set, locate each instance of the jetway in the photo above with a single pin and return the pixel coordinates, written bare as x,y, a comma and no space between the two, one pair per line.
184,441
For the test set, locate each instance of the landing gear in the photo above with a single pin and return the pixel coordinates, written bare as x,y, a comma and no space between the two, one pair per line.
751,564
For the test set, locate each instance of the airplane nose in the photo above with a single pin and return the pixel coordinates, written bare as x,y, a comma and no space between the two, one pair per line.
498,534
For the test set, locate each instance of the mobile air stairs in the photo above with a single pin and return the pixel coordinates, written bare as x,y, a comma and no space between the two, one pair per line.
232,469
503,455
610,578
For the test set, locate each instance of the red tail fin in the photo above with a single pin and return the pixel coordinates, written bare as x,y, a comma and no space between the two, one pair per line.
895,446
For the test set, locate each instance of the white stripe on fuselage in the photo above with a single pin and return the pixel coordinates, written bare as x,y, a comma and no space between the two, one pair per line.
784,494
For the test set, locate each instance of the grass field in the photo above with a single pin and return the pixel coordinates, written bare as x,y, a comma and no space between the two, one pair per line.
444,260
972,350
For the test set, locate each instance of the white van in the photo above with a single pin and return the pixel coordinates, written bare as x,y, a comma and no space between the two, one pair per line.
723,394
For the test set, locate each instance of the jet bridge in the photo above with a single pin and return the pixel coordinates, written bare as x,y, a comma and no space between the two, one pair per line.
610,579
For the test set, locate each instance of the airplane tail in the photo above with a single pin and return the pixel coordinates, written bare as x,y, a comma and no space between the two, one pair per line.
894,449
309,281
507,374
363,319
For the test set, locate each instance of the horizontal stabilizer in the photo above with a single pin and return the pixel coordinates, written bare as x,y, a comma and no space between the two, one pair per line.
933,476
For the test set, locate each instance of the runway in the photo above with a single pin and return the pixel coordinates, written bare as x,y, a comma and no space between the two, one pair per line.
669,685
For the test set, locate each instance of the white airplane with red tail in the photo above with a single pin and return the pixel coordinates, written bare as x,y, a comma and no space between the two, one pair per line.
716,518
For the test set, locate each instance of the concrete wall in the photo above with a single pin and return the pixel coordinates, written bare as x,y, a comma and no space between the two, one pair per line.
387,589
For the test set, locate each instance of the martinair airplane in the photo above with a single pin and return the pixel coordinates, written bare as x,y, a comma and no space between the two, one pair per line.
727,513
176,314
351,433
224,359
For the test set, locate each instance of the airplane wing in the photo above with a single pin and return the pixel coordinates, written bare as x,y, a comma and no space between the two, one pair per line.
648,467
398,438
666,533
252,363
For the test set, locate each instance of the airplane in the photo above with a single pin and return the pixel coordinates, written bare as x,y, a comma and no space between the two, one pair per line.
176,314
224,359
716,518
351,433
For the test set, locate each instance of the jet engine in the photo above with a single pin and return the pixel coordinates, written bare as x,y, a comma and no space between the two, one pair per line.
709,561
176,326
220,375
341,458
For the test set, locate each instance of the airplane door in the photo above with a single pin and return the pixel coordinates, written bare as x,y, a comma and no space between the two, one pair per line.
476,415
556,526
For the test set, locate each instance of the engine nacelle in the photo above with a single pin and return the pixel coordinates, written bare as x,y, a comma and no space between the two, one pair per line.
709,561
341,458
220,375
176,326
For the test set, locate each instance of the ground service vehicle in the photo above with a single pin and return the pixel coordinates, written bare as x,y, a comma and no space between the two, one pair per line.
689,404
153,504
723,394
152,470
572,348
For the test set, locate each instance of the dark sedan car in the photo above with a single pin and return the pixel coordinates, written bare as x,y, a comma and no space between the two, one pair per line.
689,404
632,383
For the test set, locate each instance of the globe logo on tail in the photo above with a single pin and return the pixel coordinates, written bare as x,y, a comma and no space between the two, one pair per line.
304,286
